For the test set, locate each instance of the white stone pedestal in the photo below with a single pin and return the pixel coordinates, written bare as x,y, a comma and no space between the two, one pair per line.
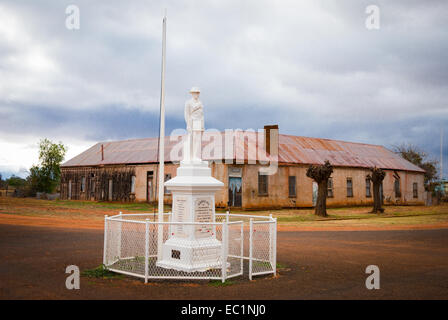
192,248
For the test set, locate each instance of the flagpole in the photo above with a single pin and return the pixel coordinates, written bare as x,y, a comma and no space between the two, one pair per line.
441,157
162,144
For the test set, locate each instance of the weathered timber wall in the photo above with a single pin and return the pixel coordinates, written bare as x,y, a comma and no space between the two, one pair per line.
97,183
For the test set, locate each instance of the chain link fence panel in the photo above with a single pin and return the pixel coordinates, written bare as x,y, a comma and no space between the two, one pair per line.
139,245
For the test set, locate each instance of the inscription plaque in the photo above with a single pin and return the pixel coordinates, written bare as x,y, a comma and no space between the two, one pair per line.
180,215
203,213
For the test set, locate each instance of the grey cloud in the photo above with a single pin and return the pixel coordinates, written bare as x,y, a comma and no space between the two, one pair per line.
310,66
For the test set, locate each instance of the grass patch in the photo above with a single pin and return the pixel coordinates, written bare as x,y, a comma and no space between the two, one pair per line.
133,206
100,272
344,216
281,265
219,283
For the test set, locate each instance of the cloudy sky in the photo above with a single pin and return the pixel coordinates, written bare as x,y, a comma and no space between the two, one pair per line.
310,66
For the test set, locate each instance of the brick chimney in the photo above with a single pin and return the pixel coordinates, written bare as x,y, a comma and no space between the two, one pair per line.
271,139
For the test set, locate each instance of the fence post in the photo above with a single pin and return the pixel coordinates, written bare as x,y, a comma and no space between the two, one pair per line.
225,239
274,249
120,226
105,240
146,249
242,247
227,215
251,228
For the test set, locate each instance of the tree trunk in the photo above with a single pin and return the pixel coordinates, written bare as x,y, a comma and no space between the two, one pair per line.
377,176
321,203
377,198
321,173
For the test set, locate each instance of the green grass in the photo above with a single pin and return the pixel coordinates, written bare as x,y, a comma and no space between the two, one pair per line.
261,264
281,265
101,273
344,215
219,283
135,206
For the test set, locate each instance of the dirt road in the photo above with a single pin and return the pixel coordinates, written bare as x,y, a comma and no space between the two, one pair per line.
319,265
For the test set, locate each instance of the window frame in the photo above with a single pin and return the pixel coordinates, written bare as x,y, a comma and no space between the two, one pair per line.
415,190
266,184
330,188
349,194
294,186
397,188
368,188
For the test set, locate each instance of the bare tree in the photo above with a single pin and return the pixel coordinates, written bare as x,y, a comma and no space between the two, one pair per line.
377,176
320,174
421,159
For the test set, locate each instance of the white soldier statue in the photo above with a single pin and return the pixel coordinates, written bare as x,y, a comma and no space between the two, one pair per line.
194,118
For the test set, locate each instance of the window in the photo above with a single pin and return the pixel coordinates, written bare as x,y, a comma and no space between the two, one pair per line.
397,188
132,184
167,177
349,187
83,184
262,184
330,188
292,186
92,183
368,190
415,189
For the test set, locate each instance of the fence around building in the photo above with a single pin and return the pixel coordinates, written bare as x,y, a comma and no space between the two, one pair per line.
248,246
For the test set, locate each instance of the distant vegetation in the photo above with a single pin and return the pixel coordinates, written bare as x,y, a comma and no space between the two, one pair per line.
43,177
419,157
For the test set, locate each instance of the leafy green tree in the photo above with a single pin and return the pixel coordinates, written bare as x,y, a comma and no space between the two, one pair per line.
35,181
16,182
420,158
46,176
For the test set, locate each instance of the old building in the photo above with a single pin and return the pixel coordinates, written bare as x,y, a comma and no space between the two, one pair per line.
127,170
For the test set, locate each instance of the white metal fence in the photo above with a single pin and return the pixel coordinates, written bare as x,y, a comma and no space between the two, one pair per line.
234,245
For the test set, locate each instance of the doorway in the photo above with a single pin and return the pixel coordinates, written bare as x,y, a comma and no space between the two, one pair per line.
235,191
149,186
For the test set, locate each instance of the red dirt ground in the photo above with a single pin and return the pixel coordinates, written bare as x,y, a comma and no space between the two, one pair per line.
77,223
318,265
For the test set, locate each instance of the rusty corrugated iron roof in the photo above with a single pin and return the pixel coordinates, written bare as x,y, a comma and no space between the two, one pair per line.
292,149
